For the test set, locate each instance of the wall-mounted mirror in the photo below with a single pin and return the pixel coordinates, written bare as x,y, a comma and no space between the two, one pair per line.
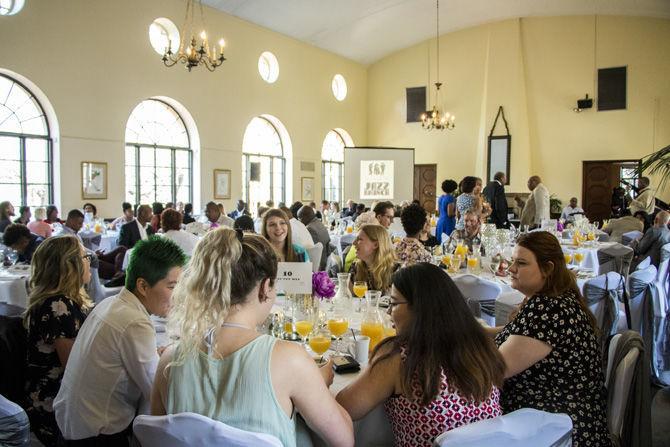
499,155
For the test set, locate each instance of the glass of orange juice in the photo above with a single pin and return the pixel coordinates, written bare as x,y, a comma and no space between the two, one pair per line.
319,341
350,229
304,322
579,257
338,324
473,262
567,257
360,287
446,260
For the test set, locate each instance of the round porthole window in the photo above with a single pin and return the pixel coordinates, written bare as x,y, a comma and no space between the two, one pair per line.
339,86
11,7
268,67
164,32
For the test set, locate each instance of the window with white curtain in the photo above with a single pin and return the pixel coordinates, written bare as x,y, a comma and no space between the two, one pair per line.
264,163
332,164
26,147
159,158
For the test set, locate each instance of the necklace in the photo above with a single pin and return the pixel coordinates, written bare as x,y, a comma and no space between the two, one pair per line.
236,325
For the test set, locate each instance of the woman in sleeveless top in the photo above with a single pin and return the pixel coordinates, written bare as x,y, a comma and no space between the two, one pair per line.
222,368
441,362
277,230
447,207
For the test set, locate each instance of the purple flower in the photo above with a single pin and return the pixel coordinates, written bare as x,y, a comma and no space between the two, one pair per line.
322,286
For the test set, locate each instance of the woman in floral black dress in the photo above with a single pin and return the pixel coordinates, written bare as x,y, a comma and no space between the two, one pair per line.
551,347
57,309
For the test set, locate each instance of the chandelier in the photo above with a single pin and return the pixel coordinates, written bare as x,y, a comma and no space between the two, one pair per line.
193,53
436,119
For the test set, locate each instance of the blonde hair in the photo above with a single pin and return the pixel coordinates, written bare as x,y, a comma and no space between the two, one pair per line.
40,213
383,262
224,268
56,269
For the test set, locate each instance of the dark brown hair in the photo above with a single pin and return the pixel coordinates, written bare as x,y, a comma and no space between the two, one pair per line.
443,336
170,220
289,253
550,260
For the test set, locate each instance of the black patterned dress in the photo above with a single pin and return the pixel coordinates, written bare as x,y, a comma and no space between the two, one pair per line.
57,317
570,379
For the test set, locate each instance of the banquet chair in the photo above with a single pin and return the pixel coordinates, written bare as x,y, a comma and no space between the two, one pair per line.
661,348
97,291
13,352
396,226
315,255
14,424
485,292
628,239
642,293
191,429
615,258
646,262
603,295
526,427
345,241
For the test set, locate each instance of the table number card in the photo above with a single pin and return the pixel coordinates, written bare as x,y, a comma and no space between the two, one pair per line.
294,277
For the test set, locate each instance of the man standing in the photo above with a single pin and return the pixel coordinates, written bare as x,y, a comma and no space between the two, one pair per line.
318,232
569,212
111,367
216,217
495,195
655,238
138,229
537,206
645,200
241,210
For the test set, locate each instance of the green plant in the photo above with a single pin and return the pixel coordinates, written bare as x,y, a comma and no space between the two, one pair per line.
657,164
555,204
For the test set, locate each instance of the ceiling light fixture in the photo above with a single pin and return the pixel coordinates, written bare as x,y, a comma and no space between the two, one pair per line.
435,119
192,53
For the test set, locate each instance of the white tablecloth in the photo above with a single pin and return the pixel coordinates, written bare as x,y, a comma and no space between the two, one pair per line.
14,285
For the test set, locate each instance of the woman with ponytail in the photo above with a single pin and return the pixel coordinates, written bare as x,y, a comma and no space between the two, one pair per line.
222,368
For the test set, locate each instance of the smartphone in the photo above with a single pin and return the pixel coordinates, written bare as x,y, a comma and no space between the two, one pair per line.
345,364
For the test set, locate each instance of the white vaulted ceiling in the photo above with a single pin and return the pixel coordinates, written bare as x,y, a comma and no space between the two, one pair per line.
368,30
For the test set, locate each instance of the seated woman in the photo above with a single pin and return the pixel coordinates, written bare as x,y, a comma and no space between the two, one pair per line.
57,308
376,259
222,368
157,209
39,226
188,214
410,249
90,212
24,215
277,230
440,362
550,347
52,215
171,225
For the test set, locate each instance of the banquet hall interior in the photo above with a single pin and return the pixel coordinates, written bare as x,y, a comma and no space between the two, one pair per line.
121,119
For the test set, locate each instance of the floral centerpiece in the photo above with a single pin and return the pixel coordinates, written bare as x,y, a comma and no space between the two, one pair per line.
322,286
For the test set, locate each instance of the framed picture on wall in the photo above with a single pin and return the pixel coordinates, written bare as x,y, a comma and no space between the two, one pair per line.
93,180
222,183
307,188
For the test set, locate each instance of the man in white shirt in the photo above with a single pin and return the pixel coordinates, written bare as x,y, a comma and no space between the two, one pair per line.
216,217
111,367
645,200
299,232
569,212
540,198
171,225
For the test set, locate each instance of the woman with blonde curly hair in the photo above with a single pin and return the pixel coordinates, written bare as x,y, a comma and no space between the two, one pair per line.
376,258
223,368
57,308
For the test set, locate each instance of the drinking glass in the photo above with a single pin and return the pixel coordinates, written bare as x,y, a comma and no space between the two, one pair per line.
447,260
360,287
319,341
11,256
578,257
338,324
494,264
304,322
372,297
567,257
473,262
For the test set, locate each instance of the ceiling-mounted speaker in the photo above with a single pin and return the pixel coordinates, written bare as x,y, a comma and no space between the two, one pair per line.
254,171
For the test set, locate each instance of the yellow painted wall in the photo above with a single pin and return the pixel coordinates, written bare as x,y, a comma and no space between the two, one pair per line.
94,62
536,68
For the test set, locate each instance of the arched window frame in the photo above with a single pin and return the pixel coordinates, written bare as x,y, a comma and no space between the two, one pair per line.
23,142
332,168
274,162
137,149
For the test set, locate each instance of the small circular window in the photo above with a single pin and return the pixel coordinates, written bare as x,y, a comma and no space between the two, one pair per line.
11,7
268,67
339,86
162,33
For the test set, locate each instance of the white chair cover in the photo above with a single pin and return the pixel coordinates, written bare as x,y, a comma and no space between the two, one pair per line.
315,255
14,425
631,237
190,429
615,258
526,427
345,241
662,319
620,387
396,226
97,291
478,289
614,341
602,295
646,262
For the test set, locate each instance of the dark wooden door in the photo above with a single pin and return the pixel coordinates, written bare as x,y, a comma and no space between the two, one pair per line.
599,178
425,186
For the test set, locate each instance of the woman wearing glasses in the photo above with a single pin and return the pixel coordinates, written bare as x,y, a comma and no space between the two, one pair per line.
440,362
56,310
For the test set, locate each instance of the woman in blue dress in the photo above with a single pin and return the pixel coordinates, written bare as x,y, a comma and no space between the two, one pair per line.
446,205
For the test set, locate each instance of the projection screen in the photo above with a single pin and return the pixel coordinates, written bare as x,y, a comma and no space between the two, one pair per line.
373,174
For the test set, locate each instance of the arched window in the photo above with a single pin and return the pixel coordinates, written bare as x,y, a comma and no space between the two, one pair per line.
264,162
159,159
26,147
332,164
